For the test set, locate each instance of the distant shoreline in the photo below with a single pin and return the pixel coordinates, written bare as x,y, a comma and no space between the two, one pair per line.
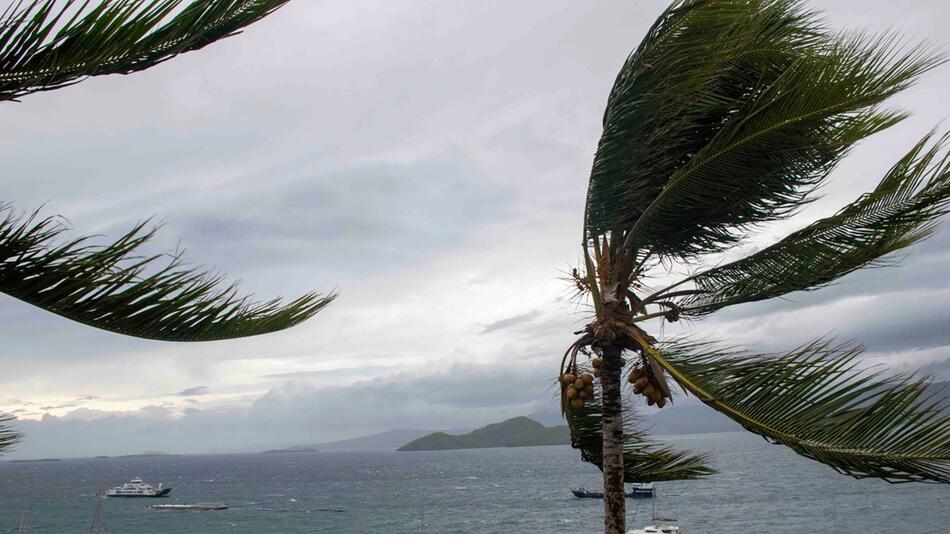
392,448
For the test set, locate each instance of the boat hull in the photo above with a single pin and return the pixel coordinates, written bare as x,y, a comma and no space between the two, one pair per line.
199,506
635,494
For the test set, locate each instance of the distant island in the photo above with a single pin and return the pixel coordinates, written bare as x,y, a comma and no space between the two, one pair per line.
147,454
34,461
290,449
515,432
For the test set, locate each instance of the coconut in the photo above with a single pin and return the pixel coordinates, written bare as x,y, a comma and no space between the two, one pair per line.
577,404
579,384
571,392
648,390
650,401
631,378
583,394
568,378
642,382
597,363
661,402
587,378
597,373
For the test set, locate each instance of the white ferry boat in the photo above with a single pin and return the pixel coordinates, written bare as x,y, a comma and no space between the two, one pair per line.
137,488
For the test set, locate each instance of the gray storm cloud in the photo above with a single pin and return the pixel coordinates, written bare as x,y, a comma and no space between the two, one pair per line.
194,391
429,160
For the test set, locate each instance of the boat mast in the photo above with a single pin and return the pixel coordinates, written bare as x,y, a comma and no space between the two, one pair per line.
653,503
25,527
96,527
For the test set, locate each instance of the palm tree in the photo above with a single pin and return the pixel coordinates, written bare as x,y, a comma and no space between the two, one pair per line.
49,44
730,114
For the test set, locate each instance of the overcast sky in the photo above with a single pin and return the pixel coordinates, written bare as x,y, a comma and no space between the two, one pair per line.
427,158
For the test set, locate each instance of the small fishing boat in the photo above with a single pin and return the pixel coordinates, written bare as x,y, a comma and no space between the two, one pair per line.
641,490
637,491
585,493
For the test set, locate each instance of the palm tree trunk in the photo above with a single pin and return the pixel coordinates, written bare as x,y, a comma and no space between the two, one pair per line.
614,497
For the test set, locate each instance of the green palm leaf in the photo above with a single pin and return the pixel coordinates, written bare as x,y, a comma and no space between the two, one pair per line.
815,401
729,114
111,288
643,459
47,44
902,210
8,437
672,93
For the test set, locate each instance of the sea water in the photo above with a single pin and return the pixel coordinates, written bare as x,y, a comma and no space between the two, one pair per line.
760,488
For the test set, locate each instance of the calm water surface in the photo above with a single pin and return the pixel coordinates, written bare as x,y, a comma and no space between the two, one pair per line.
760,489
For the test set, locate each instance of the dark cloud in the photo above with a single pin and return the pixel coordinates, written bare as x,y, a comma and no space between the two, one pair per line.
194,391
461,395
345,372
57,406
346,223
510,321
939,370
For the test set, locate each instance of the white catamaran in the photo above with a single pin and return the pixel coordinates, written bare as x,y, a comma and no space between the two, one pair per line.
660,525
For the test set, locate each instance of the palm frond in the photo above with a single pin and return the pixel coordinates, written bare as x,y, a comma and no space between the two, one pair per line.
817,402
8,437
643,459
665,104
111,288
47,44
902,210
730,114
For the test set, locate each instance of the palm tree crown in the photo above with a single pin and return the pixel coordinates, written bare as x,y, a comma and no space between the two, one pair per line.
730,114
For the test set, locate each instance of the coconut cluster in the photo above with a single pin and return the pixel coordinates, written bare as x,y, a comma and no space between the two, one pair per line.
644,383
579,388
597,364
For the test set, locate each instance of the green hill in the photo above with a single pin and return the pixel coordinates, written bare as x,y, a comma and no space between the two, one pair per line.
516,432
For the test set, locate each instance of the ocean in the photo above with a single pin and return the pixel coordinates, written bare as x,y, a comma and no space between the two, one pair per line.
761,488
